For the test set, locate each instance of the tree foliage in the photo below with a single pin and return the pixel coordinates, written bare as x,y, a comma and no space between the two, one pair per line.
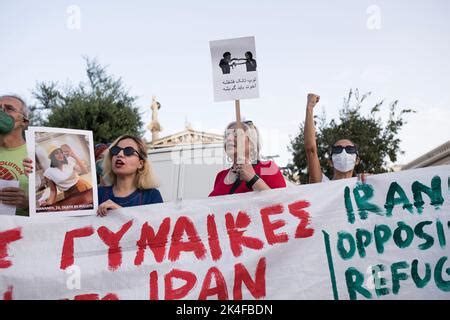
377,141
102,105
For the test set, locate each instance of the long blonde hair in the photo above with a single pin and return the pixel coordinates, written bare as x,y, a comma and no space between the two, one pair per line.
145,177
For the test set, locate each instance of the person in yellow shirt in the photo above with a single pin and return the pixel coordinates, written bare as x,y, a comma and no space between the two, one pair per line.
13,123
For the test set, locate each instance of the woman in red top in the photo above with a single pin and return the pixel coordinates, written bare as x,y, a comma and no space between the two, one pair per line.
249,173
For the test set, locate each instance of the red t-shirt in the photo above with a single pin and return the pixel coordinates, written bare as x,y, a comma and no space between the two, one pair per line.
266,170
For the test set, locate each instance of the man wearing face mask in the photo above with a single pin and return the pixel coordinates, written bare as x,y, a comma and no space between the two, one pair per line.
343,154
13,123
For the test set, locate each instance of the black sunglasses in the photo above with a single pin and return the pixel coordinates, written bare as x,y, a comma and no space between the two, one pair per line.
127,151
348,149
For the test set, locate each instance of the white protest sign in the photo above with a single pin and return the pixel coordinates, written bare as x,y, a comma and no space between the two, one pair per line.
234,68
387,239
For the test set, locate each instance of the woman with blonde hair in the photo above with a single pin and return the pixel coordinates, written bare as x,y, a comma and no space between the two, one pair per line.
128,176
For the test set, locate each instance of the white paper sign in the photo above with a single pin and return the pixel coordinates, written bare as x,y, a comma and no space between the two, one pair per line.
234,68
4,208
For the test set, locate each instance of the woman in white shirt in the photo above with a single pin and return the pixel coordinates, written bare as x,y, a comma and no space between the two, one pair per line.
63,174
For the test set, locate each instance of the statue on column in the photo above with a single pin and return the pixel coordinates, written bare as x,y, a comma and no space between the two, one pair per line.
154,125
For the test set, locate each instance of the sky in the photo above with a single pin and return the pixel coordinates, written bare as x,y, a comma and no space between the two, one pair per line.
394,49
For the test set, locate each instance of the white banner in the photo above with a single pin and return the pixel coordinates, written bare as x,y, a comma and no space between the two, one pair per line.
234,68
387,239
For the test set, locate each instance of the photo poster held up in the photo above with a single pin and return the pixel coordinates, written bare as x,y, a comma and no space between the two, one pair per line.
64,180
234,68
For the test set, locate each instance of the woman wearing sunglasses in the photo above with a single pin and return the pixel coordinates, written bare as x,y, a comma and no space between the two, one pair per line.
129,178
247,173
343,154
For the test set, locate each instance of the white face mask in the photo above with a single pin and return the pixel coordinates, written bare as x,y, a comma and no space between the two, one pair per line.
344,162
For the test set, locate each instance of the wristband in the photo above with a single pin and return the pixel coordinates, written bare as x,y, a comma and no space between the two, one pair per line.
252,181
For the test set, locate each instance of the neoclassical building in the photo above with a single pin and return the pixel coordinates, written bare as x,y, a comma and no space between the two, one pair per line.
188,136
